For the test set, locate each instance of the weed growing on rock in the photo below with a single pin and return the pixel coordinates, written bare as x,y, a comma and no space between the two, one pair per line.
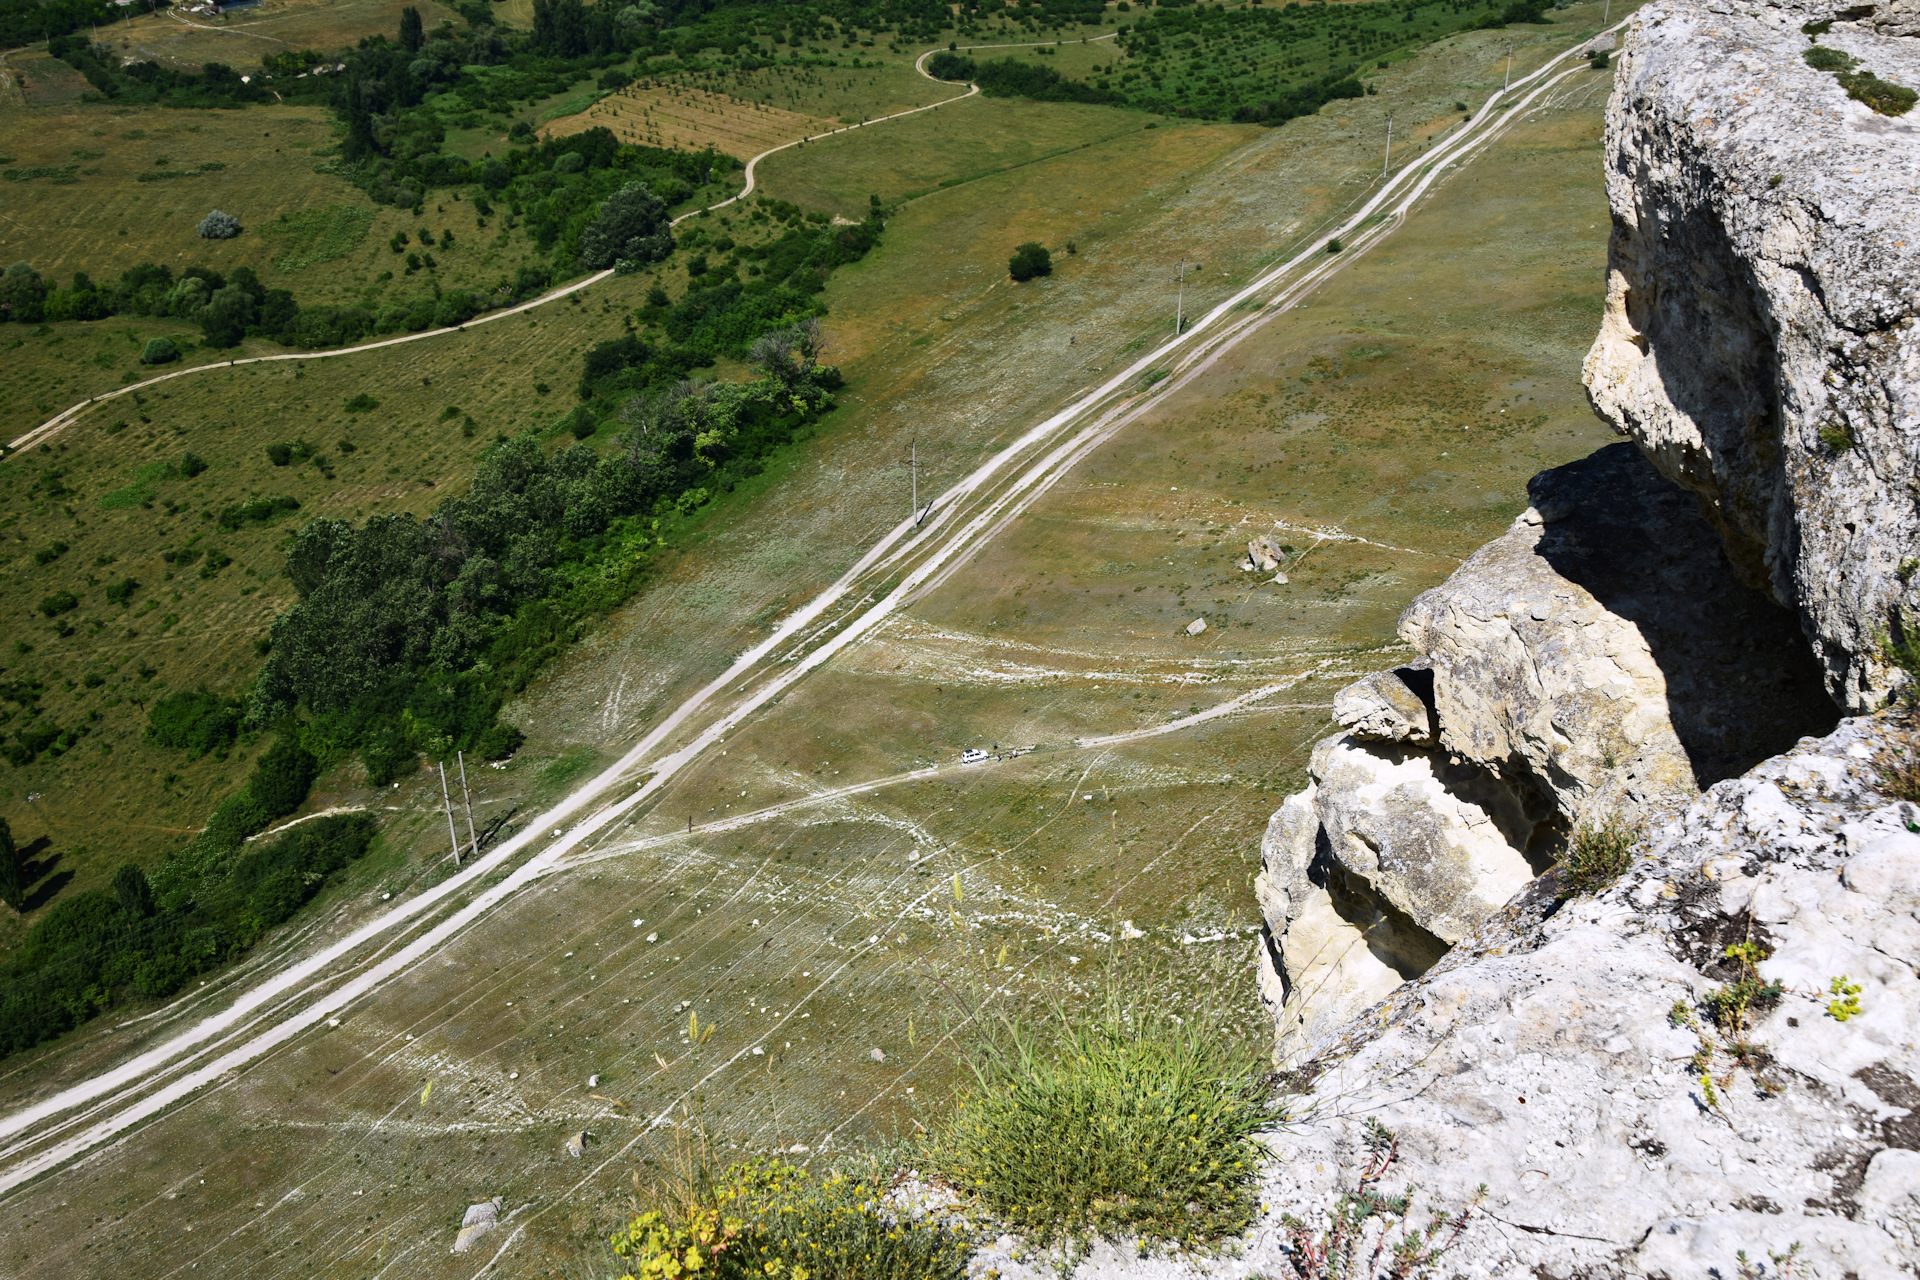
1599,855
1900,776
1123,1119
1846,999
1883,96
1357,1242
1785,1265
1731,1009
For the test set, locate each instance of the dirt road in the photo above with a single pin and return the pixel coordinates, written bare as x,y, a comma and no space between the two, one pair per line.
908,561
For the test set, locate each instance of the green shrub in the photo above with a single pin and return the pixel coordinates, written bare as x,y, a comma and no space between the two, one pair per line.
361,403
218,226
1598,855
1821,58
93,948
282,777
131,887
388,756
159,351
1334,245
192,465
49,553
500,741
950,66
193,721
58,603
256,511
280,455
122,591
767,1218
1124,1120
1030,261
632,228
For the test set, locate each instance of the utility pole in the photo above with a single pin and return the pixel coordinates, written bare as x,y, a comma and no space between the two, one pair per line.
1387,168
1180,303
913,474
447,800
1605,14
1509,84
473,841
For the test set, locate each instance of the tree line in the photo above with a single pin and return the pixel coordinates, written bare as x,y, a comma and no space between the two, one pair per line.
1258,64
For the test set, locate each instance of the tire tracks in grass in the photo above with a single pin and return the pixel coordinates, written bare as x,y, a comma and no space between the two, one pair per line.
910,559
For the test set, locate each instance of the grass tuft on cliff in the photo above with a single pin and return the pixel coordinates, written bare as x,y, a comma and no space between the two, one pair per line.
1123,1119
1599,855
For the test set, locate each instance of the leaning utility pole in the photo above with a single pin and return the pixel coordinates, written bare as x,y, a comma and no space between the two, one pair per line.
1180,303
1387,167
447,800
473,841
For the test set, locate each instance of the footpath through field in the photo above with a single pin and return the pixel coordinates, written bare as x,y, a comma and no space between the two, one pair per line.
912,558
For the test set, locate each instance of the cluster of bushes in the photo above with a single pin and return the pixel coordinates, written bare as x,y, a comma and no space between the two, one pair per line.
25,22
149,939
1012,78
409,633
947,65
1029,261
40,735
765,1217
1117,1120
1883,96
1264,63
215,85
195,722
721,314
235,306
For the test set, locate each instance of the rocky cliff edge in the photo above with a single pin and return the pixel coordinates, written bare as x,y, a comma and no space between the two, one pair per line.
1717,1054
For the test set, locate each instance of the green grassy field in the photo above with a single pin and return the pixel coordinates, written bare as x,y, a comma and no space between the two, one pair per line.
1374,413
241,37
307,231
936,293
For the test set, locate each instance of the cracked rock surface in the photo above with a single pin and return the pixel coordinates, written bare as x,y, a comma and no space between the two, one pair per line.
1761,339
1546,1058
1599,658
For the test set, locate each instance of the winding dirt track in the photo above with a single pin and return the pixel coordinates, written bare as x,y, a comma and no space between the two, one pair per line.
914,558
67,417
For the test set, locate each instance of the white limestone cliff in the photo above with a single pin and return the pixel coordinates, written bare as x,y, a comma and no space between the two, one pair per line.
1665,637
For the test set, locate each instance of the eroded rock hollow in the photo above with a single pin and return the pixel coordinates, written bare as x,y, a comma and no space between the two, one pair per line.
1665,639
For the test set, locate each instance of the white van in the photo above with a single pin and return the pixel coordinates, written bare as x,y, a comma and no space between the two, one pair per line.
972,755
